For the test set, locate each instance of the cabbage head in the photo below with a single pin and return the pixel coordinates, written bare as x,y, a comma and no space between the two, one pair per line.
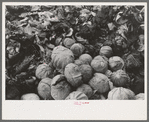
73,75
60,88
61,56
76,95
121,93
100,83
100,64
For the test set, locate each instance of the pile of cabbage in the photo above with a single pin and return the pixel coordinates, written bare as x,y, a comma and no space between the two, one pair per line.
93,53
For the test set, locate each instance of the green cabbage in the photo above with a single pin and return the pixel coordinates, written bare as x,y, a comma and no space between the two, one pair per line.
30,96
73,74
116,63
61,56
86,89
86,58
44,89
99,64
100,82
77,49
60,88
76,95
43,71
121,93
120,78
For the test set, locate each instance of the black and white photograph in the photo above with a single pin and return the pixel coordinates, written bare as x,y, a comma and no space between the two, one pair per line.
75,52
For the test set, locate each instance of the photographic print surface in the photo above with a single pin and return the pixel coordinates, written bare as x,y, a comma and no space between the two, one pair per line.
74,61
74,52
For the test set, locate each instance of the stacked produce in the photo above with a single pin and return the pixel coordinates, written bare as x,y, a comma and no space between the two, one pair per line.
74,52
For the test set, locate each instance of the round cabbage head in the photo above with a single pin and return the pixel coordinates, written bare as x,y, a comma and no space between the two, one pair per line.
86,89
86,58
120,78
60,88
44,89
77,49
68,42
106,51
61,56
140,96
100,83
87,72
121,93
76,95
60,49
116,63
43,71
100,64
73,75
30,96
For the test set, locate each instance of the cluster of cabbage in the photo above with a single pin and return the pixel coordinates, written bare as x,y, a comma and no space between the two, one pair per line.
79,76
82,77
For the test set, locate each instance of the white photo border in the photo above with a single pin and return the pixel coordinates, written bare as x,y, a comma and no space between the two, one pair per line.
66,110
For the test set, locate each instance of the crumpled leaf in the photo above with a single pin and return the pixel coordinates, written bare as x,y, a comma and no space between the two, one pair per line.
29,30
60,13
122,30
111,26
36,8
120,19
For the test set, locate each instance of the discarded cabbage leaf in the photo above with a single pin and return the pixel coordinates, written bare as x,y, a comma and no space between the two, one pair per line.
80,39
